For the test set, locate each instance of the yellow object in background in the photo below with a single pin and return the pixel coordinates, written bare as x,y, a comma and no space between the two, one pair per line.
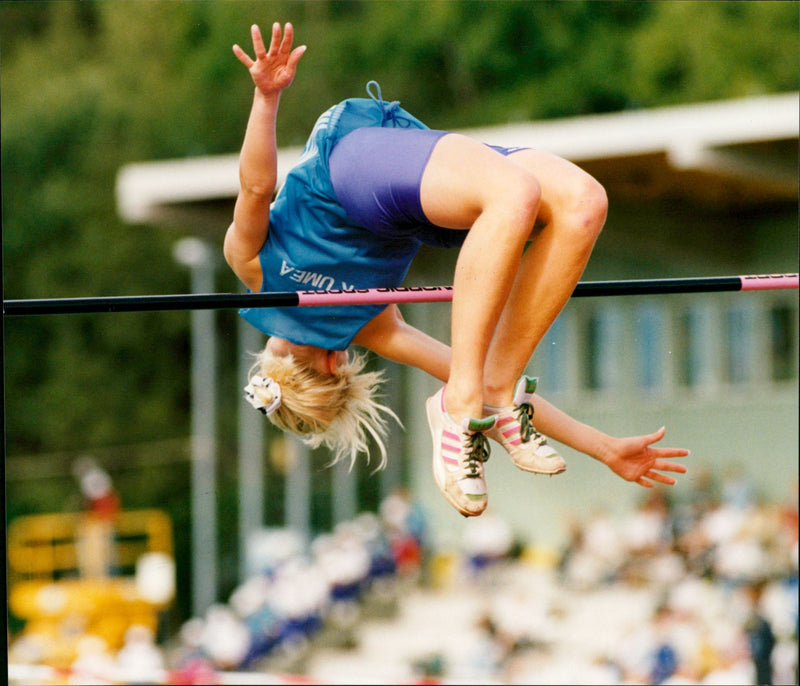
69,579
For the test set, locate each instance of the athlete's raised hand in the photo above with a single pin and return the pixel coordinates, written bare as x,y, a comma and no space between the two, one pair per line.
635,459
273,69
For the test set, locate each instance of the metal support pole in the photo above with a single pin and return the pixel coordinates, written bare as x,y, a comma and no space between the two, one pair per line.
344,492
297,506
251,450
196,254
391,478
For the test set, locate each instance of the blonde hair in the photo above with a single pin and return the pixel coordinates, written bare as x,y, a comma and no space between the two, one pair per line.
339,411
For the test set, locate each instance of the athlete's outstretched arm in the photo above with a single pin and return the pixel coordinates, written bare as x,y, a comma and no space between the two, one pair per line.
272,71
631,458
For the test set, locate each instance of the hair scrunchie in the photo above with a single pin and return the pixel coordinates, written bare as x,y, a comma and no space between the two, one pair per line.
272,387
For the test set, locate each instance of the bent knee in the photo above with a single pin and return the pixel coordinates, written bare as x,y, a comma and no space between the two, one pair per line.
590,207
581,212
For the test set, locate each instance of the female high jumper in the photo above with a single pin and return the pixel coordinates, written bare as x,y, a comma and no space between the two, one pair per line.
373,185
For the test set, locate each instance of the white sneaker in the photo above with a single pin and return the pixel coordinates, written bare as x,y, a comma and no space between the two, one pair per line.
458,457
514,430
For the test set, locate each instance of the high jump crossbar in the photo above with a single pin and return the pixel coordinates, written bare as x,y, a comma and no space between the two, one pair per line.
376,296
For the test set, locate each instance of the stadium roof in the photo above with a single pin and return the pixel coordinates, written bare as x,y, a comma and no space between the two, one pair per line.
722,154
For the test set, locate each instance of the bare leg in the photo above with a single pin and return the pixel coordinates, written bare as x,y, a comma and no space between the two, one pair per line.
470,187
572,213
502,302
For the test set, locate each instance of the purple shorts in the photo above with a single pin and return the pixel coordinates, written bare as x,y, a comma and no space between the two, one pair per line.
376,174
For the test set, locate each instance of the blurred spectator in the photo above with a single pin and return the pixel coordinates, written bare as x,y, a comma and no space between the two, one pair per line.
405,527
96,535
737,488
268,548
596,553
760,636
665,656
487,540
94,663
140,659
224,637
100,498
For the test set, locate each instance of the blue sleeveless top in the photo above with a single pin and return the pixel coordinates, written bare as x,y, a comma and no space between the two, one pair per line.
312,245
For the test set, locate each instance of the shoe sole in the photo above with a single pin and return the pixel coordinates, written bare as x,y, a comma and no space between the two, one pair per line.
551,472
530,470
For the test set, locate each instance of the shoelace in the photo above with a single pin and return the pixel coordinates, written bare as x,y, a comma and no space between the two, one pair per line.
477,451
525,418
388,109
527,430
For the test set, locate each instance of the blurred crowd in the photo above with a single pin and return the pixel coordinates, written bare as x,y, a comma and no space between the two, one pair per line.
300,595
701,590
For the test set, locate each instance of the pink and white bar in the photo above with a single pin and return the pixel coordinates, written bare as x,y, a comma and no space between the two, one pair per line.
764,282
